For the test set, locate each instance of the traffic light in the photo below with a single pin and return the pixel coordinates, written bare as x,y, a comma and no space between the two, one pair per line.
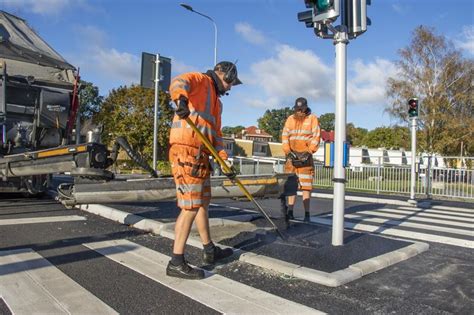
354,16
322,10
413,107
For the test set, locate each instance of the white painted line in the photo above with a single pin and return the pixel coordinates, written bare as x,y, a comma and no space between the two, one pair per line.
406,223
362,199
217,292
445,212
422,213
29,284
35,220
454,208
409,217
400,233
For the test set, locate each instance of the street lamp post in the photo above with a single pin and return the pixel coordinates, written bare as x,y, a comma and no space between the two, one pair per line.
188,7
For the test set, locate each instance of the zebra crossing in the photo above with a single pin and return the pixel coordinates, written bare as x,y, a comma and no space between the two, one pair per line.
30,284
439,224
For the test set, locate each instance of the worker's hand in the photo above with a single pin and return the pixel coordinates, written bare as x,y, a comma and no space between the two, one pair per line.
232,173
306,155
292,156
183,110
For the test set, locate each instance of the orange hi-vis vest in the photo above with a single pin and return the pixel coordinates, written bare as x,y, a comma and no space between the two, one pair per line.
205,107
301,135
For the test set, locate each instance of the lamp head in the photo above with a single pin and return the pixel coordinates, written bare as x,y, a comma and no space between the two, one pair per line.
187,7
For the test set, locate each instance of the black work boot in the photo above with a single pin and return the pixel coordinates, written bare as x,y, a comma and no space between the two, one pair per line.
184,271
306,217
216,253
290,215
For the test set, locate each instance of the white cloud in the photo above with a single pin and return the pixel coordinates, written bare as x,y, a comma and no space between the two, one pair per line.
367,81
96,58
249,33
292,73
42,7
467,41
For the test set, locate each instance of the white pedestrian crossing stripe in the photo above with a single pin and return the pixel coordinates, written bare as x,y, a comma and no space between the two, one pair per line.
29,284
416,223
215,291
35,220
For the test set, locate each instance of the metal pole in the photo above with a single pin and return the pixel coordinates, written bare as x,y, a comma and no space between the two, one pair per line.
215,42
155,120
78,127
340,41
413,159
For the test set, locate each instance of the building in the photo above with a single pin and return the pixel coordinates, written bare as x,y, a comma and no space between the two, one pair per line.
255,134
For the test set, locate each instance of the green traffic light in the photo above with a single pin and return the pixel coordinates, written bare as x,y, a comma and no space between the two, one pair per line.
323,5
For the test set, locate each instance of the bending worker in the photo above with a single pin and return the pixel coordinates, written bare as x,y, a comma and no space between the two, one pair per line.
197,97
300,138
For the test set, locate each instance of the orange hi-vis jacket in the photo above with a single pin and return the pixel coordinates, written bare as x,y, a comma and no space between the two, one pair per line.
205,108
301,135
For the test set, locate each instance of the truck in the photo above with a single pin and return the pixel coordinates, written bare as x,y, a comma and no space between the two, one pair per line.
38,106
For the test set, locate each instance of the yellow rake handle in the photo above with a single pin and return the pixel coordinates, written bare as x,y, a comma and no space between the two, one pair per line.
227,169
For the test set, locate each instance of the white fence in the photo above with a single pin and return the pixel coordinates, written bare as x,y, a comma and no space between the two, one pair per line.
454,178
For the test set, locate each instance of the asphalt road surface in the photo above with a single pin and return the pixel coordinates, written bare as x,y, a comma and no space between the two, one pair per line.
54,259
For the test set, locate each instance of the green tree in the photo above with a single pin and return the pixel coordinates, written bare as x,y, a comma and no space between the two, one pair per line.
229,131
273,121
355,135
128,112
326,121
89,100
388,137
431,69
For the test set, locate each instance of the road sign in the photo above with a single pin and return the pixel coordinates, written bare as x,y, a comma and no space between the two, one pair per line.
147,78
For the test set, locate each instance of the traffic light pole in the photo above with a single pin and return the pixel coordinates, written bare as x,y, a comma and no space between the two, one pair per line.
340,41
413,159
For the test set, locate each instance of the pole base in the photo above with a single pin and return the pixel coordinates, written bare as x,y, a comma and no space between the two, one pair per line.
412,201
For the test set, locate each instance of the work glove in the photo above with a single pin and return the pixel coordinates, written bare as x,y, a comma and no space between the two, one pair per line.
183,110
232,171
292,156
306,155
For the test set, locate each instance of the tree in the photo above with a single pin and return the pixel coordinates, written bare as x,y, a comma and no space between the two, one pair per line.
89,100
432,70
388,137
229,131
355,135
326,121
273,121
128,112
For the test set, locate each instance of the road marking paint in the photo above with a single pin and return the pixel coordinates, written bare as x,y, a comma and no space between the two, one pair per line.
399,233
35,220
429,210
29,284
215,291
453,209
422,213
414,216
411,224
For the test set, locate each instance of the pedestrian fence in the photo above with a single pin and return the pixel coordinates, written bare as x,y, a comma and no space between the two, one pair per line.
435,175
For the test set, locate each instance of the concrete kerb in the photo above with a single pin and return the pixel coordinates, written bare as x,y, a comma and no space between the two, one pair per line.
332,279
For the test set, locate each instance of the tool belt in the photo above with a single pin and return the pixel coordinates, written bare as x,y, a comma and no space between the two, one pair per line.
197,166
304,159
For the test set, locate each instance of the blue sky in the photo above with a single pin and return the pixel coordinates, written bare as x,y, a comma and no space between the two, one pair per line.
278,58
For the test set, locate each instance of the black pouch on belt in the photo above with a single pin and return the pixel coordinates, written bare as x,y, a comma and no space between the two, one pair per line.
304,159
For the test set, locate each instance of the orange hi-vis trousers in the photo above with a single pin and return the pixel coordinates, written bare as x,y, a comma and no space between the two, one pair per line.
305,175
192,175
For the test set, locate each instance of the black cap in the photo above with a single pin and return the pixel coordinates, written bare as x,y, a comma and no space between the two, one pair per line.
301,104
230,71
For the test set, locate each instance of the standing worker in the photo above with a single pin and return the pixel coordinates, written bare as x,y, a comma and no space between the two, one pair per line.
300,138
197,97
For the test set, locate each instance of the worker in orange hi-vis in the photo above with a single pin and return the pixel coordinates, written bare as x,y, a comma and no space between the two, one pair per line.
300,138
197,96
